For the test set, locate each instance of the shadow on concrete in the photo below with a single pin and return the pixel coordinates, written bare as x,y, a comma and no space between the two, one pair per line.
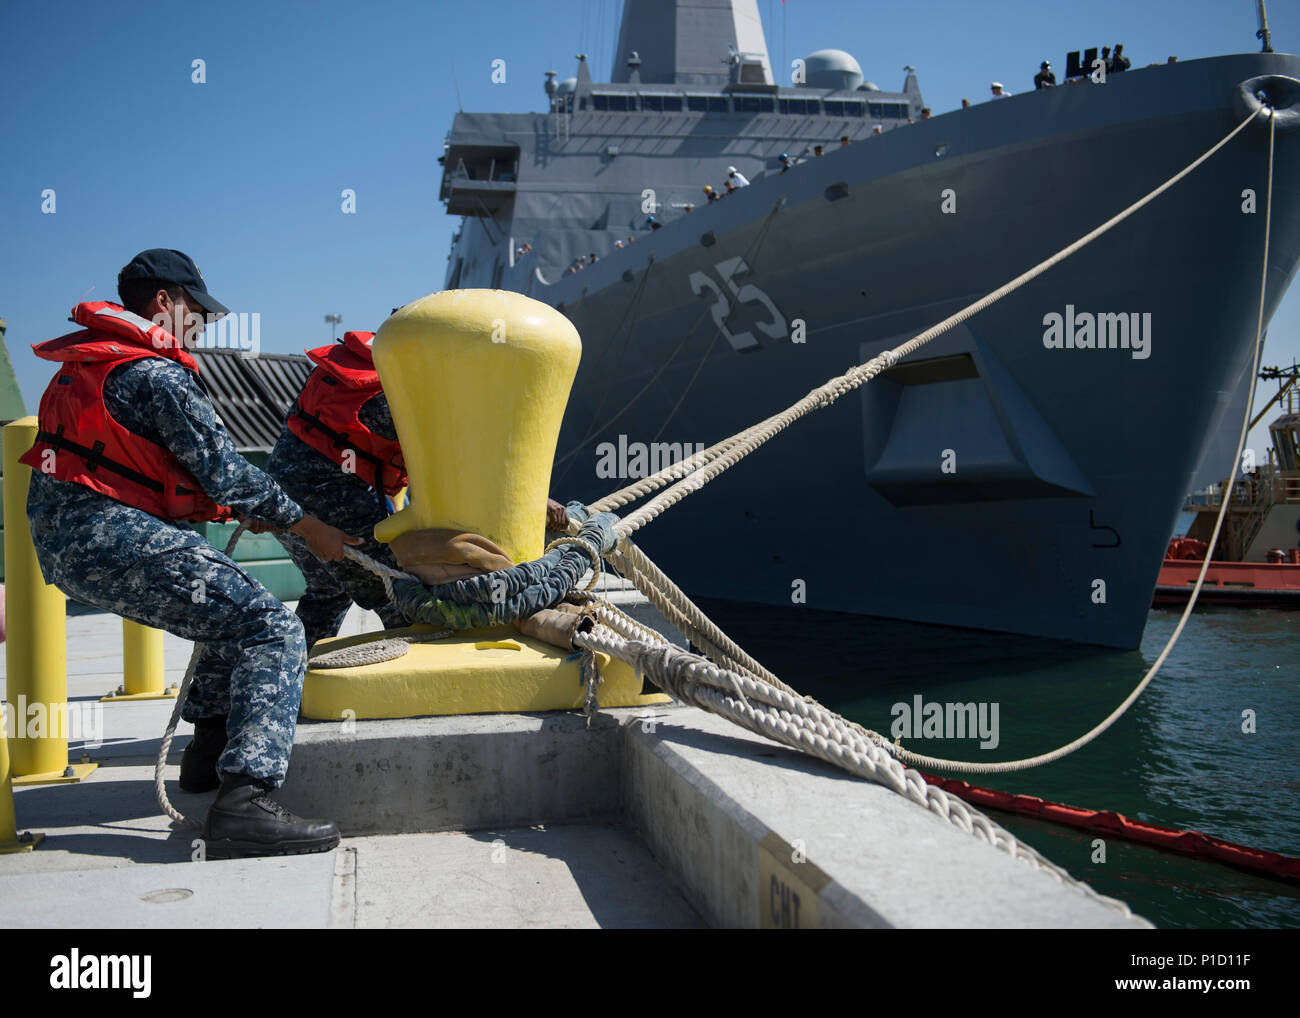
100,802
620,881
121,844
734,747
117,751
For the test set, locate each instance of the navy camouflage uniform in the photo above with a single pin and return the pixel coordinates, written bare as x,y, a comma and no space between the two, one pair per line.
345,500
163,574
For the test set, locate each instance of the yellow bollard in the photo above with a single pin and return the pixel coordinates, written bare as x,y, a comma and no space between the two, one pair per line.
477,381
142,665
10,840
492,368
36,646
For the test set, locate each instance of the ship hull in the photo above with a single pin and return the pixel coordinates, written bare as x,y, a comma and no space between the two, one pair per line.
1006,485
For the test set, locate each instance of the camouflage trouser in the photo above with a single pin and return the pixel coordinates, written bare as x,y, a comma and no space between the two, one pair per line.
135,565
333,586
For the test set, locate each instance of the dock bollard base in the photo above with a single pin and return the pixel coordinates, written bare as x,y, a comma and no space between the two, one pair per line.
21,845
483,671
79,772
167,694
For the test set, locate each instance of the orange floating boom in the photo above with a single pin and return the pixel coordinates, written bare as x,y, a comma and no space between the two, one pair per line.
1116,825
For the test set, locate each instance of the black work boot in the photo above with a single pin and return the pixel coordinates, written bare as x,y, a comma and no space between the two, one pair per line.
244,820
199,761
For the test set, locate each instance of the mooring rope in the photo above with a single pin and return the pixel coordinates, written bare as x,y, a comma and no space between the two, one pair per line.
718,458
736,686
809,728
687,617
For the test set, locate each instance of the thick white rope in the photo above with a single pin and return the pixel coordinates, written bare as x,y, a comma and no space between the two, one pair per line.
775,714
799,721
686,616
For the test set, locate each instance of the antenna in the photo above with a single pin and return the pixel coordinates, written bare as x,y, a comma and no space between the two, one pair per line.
460,105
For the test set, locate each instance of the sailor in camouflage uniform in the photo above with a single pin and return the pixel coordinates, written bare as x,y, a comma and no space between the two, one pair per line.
339,457
129,446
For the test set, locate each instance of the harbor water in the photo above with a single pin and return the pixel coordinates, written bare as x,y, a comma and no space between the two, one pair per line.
1179,757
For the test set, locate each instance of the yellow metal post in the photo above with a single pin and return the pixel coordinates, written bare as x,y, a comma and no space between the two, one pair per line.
494,369
10,839
36,683
142,665
477,381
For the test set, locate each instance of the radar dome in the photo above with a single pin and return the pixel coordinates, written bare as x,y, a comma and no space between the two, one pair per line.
868,86
567,86
832,68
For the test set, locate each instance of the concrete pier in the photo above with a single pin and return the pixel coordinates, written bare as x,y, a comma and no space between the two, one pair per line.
663,818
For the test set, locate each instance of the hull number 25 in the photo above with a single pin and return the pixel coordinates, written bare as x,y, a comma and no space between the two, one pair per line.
774,327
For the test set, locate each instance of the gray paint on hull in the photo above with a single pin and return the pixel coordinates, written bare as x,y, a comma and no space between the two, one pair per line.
1031,173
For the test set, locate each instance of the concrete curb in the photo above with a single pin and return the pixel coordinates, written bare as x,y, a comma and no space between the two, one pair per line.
755,835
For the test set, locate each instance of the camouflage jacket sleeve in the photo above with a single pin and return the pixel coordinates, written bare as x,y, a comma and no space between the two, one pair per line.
186,422
376,416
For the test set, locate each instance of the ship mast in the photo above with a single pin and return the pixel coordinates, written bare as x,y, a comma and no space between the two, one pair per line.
685,42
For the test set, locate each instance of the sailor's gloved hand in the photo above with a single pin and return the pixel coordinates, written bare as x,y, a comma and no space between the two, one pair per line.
325,542
254,525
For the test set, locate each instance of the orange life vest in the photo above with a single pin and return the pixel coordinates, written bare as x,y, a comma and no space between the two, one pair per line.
77,438
327,415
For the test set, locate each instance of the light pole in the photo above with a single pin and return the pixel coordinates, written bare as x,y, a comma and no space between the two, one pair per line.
334,320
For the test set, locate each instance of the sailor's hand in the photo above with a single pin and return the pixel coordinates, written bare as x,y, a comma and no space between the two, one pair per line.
254,525
556,517
325,542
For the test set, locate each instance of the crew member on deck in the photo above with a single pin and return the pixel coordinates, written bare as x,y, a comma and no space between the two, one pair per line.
737,178
128,449
339,457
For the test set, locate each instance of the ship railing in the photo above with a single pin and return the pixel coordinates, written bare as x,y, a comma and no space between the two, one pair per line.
1259,492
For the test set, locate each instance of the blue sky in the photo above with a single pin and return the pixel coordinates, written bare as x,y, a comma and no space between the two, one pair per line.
302,100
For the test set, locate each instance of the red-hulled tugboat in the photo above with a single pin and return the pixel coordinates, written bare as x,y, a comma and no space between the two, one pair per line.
1257,560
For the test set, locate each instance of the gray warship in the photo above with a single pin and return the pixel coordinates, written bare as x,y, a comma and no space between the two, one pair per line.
993,478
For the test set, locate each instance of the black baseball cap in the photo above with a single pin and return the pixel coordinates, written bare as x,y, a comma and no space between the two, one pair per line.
172,266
